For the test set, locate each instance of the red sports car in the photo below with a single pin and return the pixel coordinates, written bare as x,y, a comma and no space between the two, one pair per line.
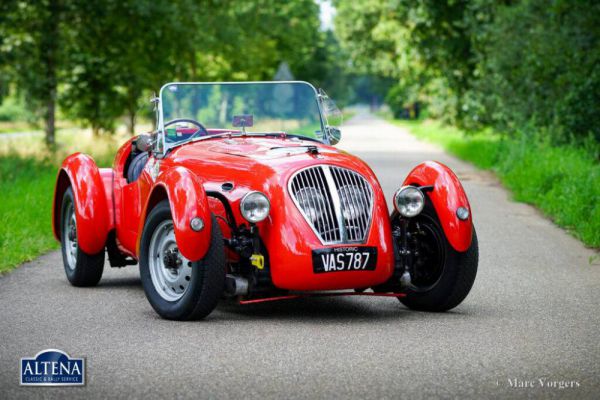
240,193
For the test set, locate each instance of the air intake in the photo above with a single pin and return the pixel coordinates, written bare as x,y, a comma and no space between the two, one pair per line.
336,202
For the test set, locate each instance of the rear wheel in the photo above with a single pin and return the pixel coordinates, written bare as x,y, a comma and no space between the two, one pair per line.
442,277
82,269
176,287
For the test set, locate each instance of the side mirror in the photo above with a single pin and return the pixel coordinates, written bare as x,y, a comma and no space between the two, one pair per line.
334,135
145,142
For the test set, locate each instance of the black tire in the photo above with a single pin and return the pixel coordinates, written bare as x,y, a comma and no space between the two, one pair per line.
207,281
458,272
82,269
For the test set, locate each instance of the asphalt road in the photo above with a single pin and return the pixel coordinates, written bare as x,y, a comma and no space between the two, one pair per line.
532,314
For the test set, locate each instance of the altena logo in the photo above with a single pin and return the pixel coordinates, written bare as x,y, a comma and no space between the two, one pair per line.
52,367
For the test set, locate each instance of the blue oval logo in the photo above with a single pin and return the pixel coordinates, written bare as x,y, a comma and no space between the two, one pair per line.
52,367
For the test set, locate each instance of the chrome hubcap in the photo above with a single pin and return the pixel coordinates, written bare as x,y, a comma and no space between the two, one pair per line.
170,271
70,236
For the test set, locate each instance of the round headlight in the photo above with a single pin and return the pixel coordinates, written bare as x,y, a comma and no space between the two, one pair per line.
312,202
409,201
352,198
255,207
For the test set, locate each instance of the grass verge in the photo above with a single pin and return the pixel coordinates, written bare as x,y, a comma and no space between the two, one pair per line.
562,181
27,187
27,178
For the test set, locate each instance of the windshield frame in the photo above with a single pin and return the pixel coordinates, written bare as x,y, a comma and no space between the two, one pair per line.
162,147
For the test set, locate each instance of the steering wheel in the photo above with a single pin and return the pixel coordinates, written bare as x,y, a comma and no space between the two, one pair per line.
201,128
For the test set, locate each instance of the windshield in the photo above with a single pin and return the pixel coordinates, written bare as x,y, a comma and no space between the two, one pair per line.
196,110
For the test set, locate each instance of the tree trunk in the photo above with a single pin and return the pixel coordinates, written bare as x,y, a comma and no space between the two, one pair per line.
193,67
49,44
132,106
131,121
50,127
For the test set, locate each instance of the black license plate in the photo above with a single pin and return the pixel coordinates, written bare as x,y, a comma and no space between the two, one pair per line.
351,258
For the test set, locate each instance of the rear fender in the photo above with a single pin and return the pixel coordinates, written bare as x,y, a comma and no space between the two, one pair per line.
92,189
187,199
447,196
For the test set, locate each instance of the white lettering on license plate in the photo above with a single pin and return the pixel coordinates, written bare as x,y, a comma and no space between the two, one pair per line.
353,261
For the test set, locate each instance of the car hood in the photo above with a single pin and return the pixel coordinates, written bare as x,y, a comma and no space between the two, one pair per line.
258,163
265,149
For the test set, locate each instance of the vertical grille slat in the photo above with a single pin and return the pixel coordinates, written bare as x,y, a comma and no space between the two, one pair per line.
369,196
350,181
318,204
330,217
341,182
336,202
362,218
327,222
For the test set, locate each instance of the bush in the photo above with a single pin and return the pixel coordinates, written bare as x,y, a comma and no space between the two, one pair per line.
540,64
396,99
563,181
12,110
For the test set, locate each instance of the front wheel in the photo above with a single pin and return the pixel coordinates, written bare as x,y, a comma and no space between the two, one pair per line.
442,277
177,288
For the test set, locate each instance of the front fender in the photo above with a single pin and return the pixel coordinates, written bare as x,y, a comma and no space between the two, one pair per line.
447,196
92,214
187,199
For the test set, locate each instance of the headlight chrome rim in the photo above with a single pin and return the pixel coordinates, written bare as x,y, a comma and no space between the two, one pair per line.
409,201
249,213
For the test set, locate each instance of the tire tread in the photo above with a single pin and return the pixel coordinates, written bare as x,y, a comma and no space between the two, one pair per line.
210,281
88,267
450,293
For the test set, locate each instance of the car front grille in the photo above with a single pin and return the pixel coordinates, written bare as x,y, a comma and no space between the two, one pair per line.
336,202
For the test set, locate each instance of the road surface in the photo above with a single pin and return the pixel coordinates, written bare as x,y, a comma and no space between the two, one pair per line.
532,314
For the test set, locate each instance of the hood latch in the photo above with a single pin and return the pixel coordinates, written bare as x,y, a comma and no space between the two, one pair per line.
312,150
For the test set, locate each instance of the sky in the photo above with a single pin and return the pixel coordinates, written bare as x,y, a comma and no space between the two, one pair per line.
327,14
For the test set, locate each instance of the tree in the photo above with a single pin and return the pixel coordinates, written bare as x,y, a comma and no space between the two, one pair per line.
31,45
248,39
540,66
101,57
123,50
511,64
428,46
118,52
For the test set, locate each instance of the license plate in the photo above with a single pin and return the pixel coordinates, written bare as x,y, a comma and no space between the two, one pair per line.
353,258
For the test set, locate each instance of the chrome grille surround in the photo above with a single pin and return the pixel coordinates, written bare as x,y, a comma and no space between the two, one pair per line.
336,202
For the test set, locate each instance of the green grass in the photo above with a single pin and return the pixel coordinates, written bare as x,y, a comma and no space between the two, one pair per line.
23,126
27,178
27,187
562,181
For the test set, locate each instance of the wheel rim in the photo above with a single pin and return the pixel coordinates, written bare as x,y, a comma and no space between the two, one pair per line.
171,273
70,236
431,259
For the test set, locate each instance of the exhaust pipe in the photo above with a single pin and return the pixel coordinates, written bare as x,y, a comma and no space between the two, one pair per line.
235,285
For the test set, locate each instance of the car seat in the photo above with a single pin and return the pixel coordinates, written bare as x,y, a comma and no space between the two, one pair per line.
136,166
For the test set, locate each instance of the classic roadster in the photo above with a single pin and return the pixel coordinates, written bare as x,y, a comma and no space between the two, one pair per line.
239,193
